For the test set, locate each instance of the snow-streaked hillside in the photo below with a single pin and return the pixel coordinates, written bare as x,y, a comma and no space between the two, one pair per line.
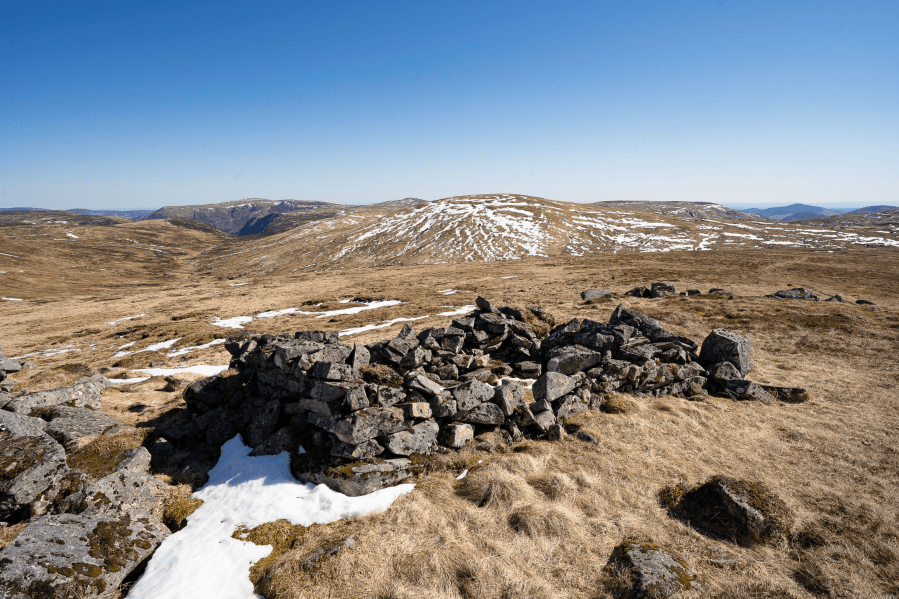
504,227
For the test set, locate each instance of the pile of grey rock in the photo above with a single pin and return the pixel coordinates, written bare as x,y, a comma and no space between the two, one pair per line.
364,414
7,365
82,538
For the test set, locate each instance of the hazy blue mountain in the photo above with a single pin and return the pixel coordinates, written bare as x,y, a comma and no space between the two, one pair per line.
794,212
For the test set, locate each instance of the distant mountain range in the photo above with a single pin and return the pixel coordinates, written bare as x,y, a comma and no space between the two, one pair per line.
132,214
794,212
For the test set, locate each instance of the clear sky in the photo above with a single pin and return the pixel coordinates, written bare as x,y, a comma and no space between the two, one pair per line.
125,104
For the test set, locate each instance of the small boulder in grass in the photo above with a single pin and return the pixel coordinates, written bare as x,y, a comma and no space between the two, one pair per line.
655,572
595,294
743,511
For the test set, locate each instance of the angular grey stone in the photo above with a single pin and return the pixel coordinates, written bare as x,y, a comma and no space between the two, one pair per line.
361,479
747,390
569,359
443,405
556,432
137,459
456,435
8,365
530,369
569,407
836,298
485,413
724,371
472,394
657,573
421,438
724,346
591,294
360,356
448,372
84,393
355,399
333,371
544,420
263,422
394,350
317,336
21,426
485,306
509,397
369,423
797,293
415,410
67,424
366,449
388,396
662,290
639,292
788,394
417,357
219,431
286,438
463,361
328,391
424,385
552,385
86,555
483,375
29,465
586,437
541,405
120,491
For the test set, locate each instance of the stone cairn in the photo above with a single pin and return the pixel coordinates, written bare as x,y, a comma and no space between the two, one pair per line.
364,413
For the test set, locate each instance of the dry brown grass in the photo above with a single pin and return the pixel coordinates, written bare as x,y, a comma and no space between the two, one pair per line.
541,521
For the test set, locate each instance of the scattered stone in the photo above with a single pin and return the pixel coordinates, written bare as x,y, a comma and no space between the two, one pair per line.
485,305
724,371
586,437
739,510
592,294
797,293
747,390
836,298
863,302
662,290
556,432
655,571
788,394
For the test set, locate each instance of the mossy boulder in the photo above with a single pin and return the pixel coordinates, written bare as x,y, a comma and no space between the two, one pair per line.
29,466
654,571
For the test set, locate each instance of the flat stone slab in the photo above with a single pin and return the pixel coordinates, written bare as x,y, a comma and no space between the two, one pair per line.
656,572
360,479
67,424
29,465
84,393
68,555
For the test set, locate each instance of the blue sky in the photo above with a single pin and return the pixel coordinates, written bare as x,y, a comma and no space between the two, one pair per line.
124,105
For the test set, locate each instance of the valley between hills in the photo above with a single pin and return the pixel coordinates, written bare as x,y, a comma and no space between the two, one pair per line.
148,304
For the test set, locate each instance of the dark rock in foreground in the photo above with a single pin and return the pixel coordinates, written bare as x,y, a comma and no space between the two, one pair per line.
655,572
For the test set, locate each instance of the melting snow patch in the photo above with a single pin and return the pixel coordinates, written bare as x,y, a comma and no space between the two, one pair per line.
72,235
12,299
154,347
380,325
10,255
236,284
185,350
353,310
236,322
509,277
203,560
462,310
126,318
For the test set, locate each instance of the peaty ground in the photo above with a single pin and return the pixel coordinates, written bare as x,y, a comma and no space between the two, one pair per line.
541,519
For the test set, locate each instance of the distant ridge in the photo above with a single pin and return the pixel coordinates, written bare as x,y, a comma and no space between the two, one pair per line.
132,214
870,209
704,210
794,212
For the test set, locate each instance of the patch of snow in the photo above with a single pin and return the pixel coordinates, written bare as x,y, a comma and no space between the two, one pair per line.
380,325
509,277
203,560
126,318
462,310
11,299
463,475
353,310
526,383
186,350
127,345
235,322
10,255
72,235
236,284
198,369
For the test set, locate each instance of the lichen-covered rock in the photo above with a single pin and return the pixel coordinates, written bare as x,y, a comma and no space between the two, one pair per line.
724,346
84,393
655,572
67,424
263,423
797,293
569,359
509,397
20,425
472,394
592,294
136,459
77,555
443,405
485,413
421,438
456,435
569,407
552,385
788,394
366,449
724,371
284,439
355,479
416,410
736,510
121,490
544,420
29,466
423,385
747,390
369,423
